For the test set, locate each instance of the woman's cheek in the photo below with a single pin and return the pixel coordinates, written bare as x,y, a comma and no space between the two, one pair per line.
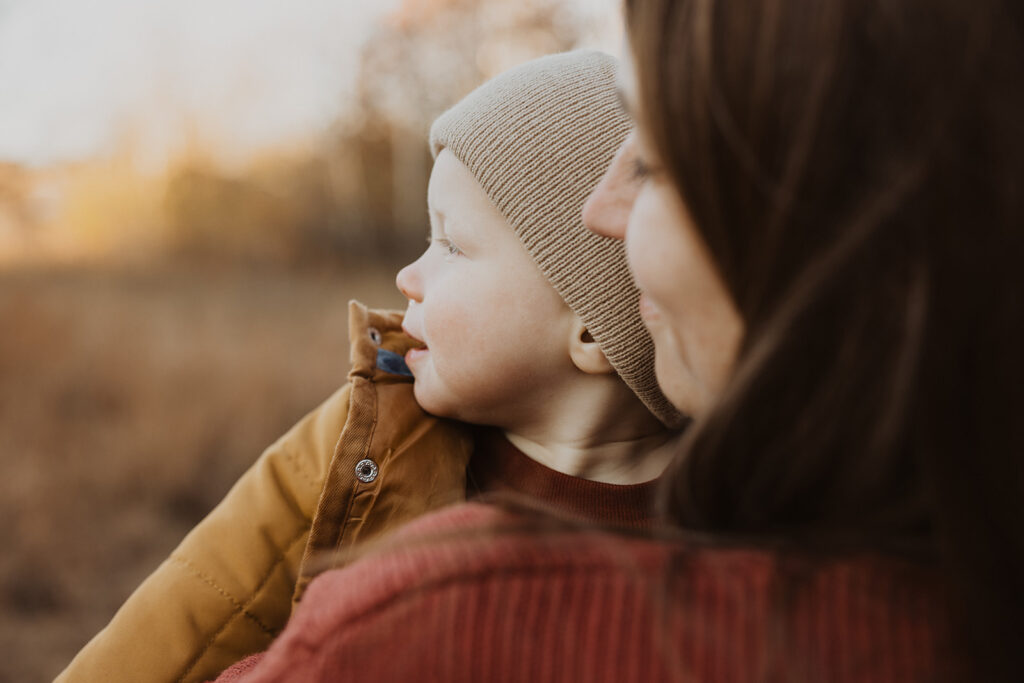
673,375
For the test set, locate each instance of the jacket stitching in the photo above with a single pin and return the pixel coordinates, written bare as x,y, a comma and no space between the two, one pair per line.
331,480
354,490
226,595
299,470
240,609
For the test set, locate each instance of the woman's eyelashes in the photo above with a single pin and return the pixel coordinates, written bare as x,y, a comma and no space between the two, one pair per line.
641,171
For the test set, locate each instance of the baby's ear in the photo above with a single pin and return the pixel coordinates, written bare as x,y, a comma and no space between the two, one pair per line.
585,352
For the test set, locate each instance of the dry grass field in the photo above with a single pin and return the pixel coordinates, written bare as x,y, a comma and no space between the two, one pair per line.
130,400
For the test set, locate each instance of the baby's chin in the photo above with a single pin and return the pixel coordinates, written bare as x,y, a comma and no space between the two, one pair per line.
429,400
444,404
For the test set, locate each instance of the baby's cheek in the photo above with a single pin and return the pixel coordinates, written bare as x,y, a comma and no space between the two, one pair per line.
453,339
458,325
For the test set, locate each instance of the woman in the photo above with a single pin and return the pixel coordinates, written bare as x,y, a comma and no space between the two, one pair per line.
828,229
853,171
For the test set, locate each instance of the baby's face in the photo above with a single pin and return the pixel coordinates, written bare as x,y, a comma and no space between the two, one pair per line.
495,331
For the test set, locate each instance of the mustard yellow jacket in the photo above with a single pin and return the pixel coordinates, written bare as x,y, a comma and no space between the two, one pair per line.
362,463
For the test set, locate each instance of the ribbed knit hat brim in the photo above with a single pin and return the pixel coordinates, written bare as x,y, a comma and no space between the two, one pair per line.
538,138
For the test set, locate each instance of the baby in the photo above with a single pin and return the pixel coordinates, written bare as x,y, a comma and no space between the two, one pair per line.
520,365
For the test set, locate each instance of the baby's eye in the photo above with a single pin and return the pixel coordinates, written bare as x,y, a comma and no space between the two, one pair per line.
449,247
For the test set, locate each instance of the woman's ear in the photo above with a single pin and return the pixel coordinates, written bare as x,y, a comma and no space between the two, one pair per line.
584,351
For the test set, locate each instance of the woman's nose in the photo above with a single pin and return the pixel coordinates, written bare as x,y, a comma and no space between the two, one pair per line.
408,282
606,211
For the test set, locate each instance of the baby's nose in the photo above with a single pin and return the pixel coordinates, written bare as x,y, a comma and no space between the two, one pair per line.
408,283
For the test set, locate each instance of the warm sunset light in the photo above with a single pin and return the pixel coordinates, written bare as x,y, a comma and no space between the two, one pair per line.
133,129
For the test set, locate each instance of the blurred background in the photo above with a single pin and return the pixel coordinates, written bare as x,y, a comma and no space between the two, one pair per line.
190,192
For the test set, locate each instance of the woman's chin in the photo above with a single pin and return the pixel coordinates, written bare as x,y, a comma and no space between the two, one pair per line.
677,383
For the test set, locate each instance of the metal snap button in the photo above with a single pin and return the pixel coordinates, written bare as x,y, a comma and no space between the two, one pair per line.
366,470
375,336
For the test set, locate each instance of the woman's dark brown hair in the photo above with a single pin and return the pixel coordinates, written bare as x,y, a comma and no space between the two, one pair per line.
856,168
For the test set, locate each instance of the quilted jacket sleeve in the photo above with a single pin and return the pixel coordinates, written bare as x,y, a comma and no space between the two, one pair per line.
225,592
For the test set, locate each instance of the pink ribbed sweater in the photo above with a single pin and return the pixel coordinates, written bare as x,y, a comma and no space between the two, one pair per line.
506,605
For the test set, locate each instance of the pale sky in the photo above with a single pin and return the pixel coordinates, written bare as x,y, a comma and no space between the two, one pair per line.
73,73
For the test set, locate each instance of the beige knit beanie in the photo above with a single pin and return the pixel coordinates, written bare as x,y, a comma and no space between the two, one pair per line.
538,138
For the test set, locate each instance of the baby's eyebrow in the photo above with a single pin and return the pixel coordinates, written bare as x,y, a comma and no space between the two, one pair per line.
442,223
453,229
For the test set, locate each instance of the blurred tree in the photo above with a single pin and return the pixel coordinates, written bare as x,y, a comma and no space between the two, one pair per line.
273,213
422,59
16,217
360,193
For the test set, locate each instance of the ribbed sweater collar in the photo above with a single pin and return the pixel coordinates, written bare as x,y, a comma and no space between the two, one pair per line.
499,467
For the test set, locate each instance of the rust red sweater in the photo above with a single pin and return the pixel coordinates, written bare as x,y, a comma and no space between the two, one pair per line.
509,606
469,594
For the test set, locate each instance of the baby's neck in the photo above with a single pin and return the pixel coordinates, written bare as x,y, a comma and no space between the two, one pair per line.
592,426
608,459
